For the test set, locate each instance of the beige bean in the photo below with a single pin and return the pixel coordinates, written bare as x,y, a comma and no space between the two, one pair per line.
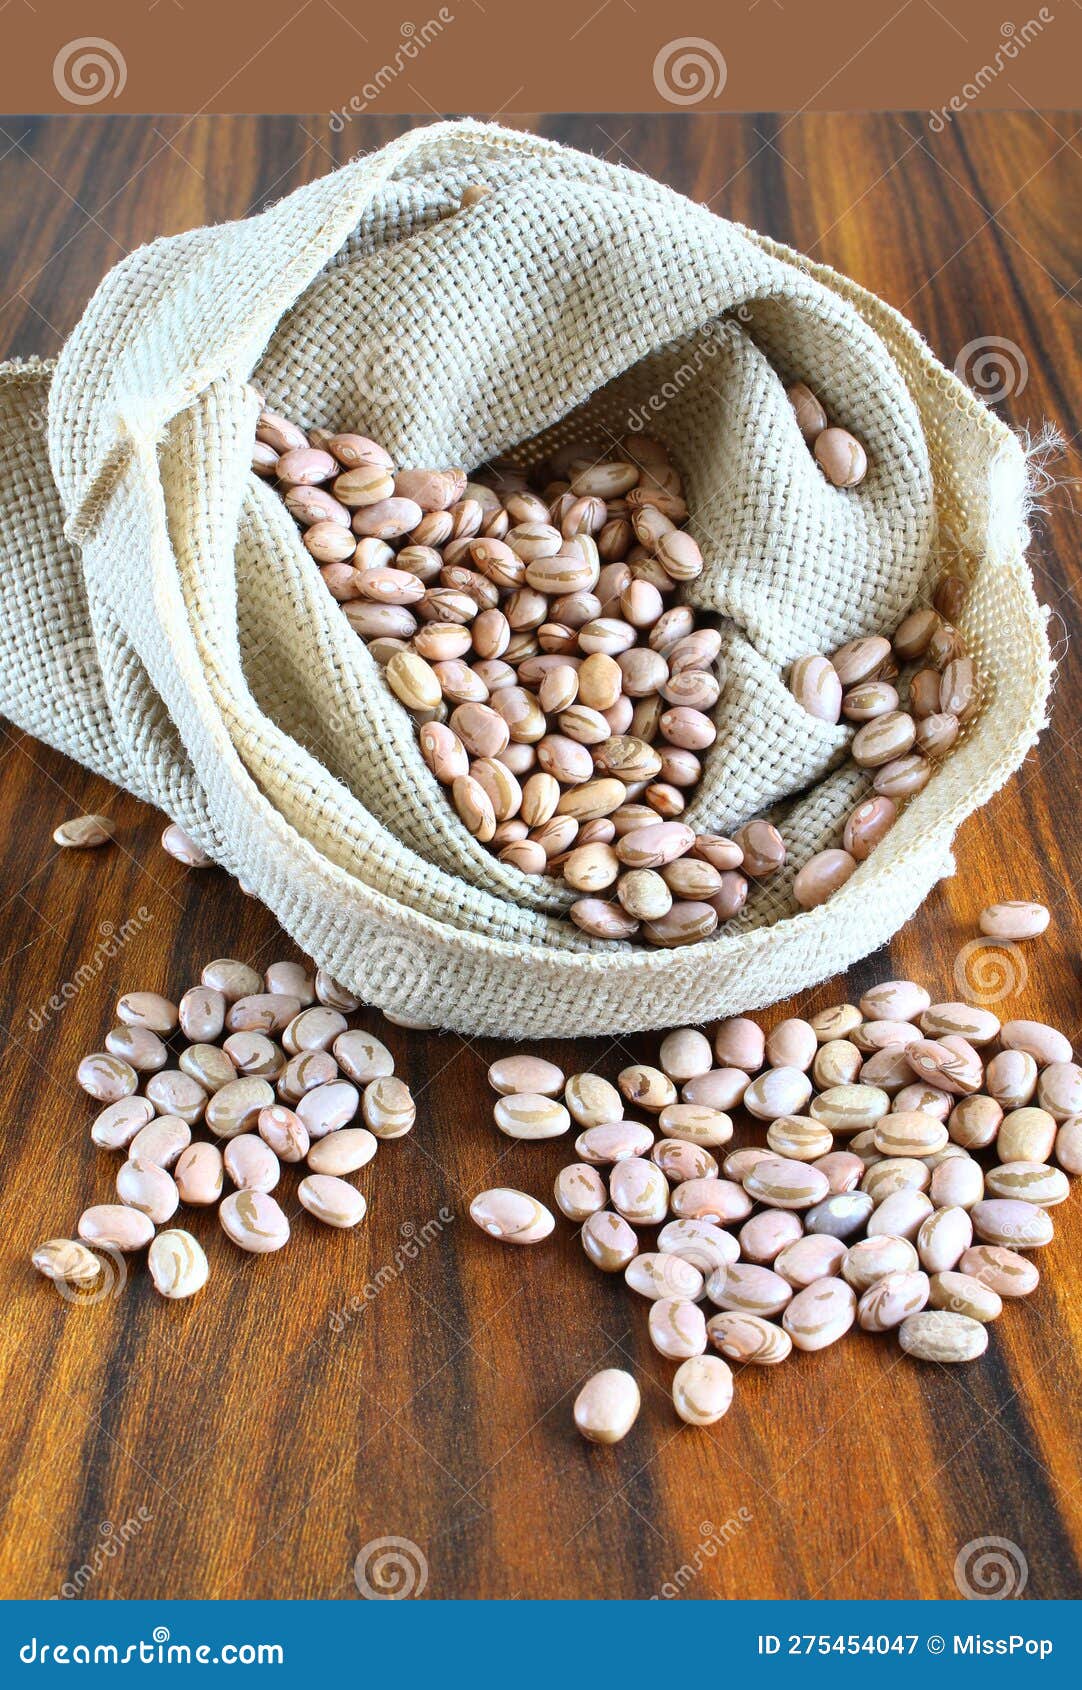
814,683
251,1164
83,833
530,1116
1059,1090
748,1338
844,1171
929,1099
138,1047
943,1239
511,1216
749,1289
658,1275
974,1121
592,1101
696,1123
901,1215
684,1054
1025,1135
233,979
909,1133
106,1078
313,1029
262,1012
891,1299
822,876
806,1259
1000,1269
872,1259
958,1183
869,700
293,979
1011,1078
680,1161
608,1241
851,1109
1012,1223
327,1108
952,1067
607,1406
1033,1182
840,456
677,1328
939,1335
1045,1044
799,1137
253,1221
66,1262
148,1009
719,1200
959,692
175,1093
784,1184
1069,1144
721,1089
868,825
116,1225
303,1073
882,739
199,1174
509,1075
837,1063
284,1132
960,1293
702,1388
331,1200
639,1191
201,1014
388,1108
1015,919
820,1314
117,1125
362,1057
895,1173
235,1107
579,1191
603,920
702,1244
249,1053
149,1188
342,1152
903,777
777,1092
978,1026
177,1263
646,1087
161,1141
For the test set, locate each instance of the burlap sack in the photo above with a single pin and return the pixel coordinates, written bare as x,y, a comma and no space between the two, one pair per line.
162,624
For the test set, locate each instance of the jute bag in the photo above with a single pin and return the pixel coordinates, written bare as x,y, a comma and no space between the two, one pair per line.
163,624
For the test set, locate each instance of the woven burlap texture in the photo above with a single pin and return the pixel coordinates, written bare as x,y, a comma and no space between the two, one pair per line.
163,624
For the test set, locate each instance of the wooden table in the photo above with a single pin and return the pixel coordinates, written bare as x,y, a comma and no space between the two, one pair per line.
251,1443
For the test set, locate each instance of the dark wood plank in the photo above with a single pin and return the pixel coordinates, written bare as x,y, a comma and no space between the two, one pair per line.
414,1380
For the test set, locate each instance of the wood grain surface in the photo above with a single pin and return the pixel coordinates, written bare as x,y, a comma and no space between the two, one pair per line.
414,1380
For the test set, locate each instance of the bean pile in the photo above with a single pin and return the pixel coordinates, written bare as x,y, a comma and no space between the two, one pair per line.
914,1152
559,690
211,1061
899,748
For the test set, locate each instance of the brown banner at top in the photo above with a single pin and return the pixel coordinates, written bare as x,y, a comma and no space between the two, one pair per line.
502,56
